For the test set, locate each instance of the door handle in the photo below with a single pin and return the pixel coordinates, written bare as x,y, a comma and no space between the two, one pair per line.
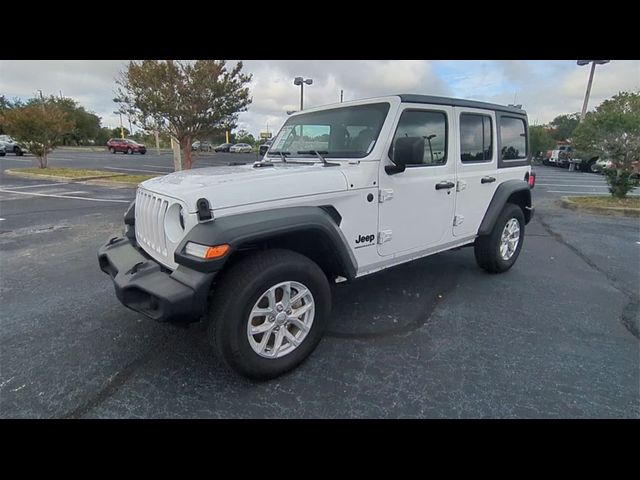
487,179
445,185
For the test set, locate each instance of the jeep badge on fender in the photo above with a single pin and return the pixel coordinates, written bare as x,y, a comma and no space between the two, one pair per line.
365,239
253,251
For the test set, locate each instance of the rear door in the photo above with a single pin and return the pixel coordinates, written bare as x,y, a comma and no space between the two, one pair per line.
477,168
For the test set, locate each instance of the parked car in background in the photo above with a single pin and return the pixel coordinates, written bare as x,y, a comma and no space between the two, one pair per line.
241,148
3,150
201,146
126,145
12,146
600,165
265,146
223,147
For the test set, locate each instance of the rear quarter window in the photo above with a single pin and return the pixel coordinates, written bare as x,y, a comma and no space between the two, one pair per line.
513,138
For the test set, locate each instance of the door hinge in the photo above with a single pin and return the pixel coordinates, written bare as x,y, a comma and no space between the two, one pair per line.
461,185
384,236
457,220
385,194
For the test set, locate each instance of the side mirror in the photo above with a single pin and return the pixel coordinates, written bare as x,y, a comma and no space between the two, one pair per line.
406,151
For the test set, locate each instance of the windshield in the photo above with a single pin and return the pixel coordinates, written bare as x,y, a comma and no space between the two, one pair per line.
348,132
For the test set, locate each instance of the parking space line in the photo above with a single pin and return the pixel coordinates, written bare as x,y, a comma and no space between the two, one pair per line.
590,193
157,166
64,196
17,160
34,186
72,193
569,185
133,170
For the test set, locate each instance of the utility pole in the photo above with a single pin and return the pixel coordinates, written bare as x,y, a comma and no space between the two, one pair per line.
341,93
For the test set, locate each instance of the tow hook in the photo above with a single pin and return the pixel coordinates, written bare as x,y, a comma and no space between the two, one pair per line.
135,268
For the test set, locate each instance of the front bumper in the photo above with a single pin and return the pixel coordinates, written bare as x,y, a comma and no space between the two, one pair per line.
145,286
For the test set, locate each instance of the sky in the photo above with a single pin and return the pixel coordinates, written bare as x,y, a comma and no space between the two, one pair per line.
544,88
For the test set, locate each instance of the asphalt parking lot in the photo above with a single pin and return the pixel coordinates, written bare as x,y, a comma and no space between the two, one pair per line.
554,337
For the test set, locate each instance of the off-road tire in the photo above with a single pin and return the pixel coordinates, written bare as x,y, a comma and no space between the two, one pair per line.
487,247
239,288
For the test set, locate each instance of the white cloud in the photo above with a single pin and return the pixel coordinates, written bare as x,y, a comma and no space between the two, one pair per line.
544,88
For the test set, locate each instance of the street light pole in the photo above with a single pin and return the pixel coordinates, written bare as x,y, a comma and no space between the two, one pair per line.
41,100
593,69
301,81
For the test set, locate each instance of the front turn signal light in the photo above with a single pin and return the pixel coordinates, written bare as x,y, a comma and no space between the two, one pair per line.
205,251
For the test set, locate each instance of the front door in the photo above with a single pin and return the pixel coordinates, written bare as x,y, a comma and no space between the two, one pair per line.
417,205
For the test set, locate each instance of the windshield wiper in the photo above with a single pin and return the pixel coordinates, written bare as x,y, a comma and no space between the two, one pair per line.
318,154
281,153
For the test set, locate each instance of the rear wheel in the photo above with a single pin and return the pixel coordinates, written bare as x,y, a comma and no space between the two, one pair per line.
269,312
498,251
18,151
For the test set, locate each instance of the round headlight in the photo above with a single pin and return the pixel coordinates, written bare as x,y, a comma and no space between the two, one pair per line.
174,222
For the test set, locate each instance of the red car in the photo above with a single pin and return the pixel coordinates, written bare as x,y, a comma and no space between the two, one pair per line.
125,145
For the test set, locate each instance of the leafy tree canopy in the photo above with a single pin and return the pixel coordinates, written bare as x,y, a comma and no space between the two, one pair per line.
612,131
183,99
39,128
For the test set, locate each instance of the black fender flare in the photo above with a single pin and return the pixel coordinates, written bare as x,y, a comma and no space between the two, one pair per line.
247,228
500,197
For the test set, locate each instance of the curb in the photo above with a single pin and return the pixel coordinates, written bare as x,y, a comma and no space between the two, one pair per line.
566,202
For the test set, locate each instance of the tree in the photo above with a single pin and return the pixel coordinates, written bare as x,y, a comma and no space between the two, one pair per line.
39,128
6,104
613,132
86,125
564,125
242,136
540,139
183,99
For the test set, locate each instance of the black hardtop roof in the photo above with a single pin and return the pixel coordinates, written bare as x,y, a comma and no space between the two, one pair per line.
458,102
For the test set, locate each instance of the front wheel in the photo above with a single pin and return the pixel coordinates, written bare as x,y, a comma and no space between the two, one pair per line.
269,312
129,151
112,150
498,251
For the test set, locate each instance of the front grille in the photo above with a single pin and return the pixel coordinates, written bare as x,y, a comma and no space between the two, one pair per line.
150,215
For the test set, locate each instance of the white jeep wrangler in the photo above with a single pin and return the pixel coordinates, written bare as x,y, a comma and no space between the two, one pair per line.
344,191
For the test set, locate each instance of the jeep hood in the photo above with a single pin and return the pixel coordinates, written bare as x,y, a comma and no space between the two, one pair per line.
233,186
